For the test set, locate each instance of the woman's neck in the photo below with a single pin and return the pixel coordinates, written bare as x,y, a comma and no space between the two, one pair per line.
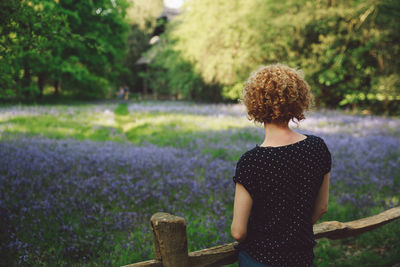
280,135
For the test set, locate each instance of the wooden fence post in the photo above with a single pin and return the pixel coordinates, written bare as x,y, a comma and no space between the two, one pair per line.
170,240
157,252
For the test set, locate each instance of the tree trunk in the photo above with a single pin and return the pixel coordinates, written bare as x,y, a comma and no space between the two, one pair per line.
26,80
145,81
56,86
41,80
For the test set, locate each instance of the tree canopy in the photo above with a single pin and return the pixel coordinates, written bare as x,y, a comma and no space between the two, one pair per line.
348,50
75,45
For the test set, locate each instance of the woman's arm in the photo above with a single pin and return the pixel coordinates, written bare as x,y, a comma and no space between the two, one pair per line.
241,212
321,202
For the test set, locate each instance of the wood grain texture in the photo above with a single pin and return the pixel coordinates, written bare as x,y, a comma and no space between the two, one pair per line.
215,256
338,230
157,252
150,263
170,234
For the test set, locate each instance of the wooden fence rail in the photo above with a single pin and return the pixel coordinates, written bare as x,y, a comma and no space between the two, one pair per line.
171,250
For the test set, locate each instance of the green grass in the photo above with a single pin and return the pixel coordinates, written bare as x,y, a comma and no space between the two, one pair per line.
158,128
59,128
122,109
380,247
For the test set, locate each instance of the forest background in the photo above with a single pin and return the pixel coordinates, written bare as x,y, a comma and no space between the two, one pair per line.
79,179
348,50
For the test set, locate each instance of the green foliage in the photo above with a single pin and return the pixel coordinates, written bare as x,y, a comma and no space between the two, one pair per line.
76,45
346,48
221,50
141,16
232,92
137,43
99,31
143,13
170,74
31,32
77,77
203,53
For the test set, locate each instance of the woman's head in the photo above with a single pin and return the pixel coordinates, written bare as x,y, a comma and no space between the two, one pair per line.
277,94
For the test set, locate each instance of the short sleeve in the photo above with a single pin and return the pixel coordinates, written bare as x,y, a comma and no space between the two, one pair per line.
326,158
245,175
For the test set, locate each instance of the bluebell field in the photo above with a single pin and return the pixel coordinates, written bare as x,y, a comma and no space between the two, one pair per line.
75,201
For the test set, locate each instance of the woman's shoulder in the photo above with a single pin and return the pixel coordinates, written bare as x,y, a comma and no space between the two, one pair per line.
315,139
318,143
248,156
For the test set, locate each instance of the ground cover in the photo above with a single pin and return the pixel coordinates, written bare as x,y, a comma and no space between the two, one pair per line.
79,183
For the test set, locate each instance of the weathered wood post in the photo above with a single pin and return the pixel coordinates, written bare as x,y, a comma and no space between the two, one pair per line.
170,240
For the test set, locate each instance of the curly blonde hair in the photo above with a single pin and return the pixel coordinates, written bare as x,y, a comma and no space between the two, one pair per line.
276,93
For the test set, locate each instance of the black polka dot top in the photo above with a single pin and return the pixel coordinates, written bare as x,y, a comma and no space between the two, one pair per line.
283,183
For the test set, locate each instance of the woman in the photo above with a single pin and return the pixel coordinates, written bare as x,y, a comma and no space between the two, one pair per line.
282,185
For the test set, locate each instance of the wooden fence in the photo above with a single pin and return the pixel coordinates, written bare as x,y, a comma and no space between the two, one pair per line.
171,250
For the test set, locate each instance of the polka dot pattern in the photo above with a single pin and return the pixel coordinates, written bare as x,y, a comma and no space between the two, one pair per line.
283,183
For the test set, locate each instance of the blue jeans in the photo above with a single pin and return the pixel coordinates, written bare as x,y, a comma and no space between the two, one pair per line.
245,260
